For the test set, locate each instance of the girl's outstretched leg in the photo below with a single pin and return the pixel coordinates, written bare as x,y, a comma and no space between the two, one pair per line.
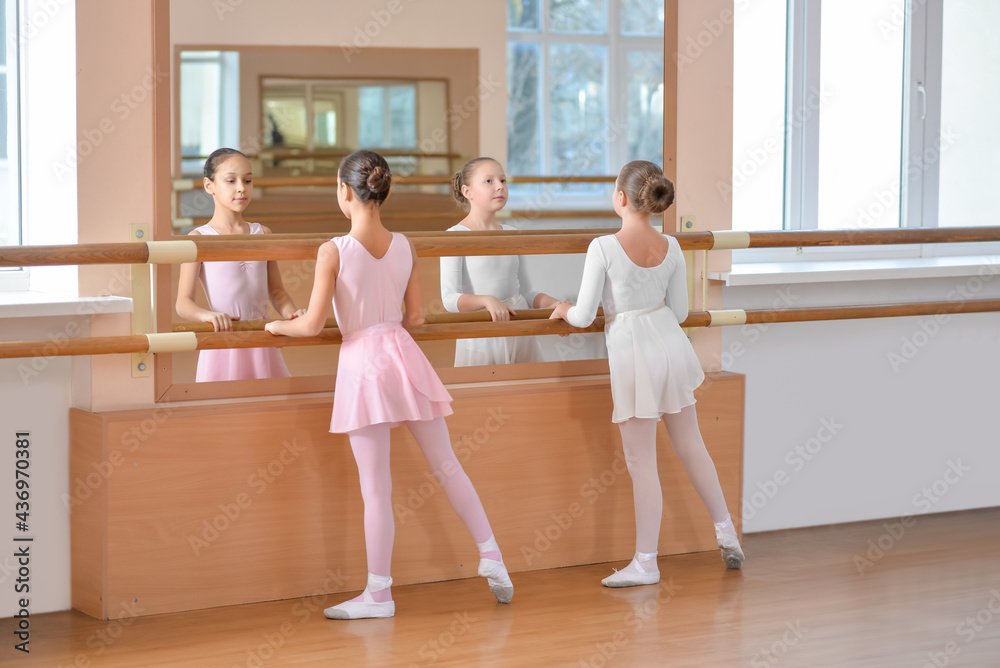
639,445
434,441
690,448
371,452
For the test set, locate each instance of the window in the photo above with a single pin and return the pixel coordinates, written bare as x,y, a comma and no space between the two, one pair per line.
208,105
568,112
10,172
852,114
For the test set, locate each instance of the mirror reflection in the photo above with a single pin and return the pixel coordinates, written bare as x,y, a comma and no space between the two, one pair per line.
295,113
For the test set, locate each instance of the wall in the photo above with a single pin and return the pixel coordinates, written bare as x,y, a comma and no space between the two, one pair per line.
354,27
862,419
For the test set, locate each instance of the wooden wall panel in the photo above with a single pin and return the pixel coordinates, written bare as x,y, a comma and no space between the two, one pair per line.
89,469
233,503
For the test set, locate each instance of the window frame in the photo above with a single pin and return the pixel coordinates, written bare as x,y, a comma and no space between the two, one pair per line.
921,132
618,46
15,279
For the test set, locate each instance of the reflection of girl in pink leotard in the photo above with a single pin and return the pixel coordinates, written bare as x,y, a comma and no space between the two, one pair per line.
384,379
235,290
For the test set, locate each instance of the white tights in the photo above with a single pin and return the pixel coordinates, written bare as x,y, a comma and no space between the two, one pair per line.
639,443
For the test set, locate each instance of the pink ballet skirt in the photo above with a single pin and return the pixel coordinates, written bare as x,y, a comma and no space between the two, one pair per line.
239,289
382,376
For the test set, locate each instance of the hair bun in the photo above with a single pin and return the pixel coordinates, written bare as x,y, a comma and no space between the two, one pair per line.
456,188
379,179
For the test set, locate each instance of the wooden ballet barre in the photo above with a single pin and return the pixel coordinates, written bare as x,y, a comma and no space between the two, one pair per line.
429,319
247,248
416,179
190,340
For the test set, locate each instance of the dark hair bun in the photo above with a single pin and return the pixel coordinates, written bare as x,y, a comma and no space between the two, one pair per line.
379,180
368,175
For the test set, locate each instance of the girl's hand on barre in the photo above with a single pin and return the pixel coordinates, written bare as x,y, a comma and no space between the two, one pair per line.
274,327
498,310
559,312
221,322
296,314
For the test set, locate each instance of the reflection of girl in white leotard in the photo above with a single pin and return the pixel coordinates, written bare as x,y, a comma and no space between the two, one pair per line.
496,283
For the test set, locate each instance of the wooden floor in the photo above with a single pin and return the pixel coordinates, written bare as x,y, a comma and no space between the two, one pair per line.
869,594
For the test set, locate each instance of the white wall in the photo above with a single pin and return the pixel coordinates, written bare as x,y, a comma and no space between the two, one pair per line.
856,419
35,396
357,25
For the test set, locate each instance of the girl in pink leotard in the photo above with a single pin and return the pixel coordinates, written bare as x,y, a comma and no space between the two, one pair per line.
384,379
235,290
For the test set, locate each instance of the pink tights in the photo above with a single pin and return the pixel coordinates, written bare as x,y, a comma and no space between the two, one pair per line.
371,452
639,443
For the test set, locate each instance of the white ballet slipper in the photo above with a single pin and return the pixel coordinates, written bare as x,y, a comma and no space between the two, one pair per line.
498,578
368,609
732,553
630,578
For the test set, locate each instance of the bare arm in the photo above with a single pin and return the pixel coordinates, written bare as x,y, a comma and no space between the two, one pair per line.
276,292
413,298
314,319
187,293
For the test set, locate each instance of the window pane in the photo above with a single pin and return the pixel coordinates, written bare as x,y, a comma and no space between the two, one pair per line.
200,96
645,106
757,189
642,17
523,142
970,104
578,103
371,119
3,116
403,118
3,31
579,16
861,89
523,14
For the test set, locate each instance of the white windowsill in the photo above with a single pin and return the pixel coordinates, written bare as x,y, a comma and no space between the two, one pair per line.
25,304
831,271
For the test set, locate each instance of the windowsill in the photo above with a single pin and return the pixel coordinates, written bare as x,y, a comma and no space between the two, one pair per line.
832,271
26,304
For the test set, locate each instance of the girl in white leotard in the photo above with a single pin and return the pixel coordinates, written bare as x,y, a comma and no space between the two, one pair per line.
639,274
495,283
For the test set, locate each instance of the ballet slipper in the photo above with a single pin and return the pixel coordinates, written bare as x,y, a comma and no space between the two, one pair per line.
732,553
634,575
367,609
497,577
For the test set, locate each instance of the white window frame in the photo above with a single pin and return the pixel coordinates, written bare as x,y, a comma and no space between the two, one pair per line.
616,88
14,279
921,122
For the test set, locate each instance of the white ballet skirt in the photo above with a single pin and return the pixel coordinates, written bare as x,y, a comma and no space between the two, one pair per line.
654,369
503,277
